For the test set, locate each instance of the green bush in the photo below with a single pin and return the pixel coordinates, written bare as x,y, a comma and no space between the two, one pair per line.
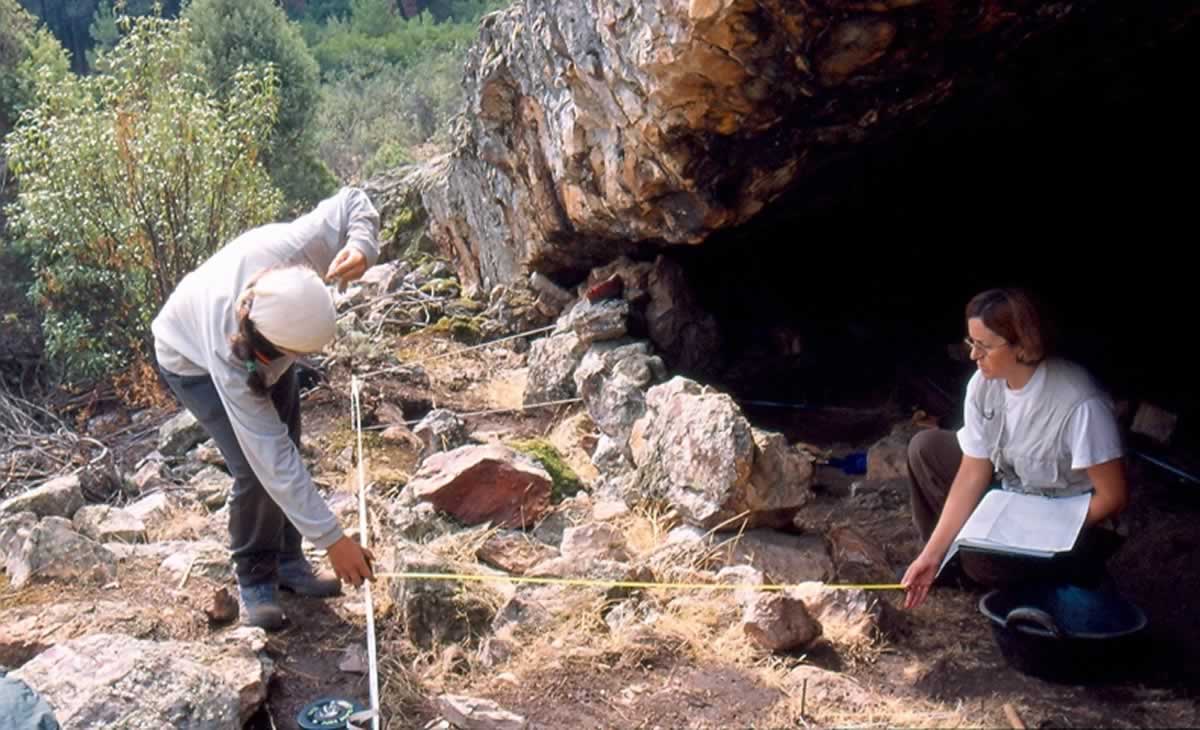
341,47
371,122
128,179
377,107
231,34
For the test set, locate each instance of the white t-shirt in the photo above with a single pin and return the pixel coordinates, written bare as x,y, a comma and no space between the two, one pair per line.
1092,435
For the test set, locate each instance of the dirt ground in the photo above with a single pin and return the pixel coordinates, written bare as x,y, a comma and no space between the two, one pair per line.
936,666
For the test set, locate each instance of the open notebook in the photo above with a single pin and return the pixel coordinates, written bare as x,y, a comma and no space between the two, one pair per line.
1022,524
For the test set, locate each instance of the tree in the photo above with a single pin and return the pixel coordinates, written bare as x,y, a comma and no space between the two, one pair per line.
71,21
128,179
104,32
23,48
16,34
316,10
228,34
373,18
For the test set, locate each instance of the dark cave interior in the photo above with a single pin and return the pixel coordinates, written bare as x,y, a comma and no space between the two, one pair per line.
852,287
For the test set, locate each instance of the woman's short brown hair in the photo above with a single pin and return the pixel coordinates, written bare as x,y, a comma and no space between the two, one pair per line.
1015,315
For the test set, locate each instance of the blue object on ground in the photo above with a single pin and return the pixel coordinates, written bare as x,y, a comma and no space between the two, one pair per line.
21,708
855,463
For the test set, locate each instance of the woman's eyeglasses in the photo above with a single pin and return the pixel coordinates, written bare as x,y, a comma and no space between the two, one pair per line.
977,345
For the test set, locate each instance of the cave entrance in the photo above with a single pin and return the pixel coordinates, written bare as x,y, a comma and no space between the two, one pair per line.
850,290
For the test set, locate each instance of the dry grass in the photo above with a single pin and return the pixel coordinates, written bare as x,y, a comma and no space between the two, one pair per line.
645,527
460,548
30,595
453,369
579,626
403,690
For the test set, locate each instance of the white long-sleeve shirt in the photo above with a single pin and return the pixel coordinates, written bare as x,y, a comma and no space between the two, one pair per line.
193,330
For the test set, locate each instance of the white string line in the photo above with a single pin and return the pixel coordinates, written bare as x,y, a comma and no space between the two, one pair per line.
372,662
398,368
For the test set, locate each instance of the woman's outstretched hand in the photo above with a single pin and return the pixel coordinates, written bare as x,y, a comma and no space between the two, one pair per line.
919,578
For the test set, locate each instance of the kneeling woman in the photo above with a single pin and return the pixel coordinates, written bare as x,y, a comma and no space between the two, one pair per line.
1041,425
226,341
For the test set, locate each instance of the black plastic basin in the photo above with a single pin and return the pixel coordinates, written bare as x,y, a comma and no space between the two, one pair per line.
1066,633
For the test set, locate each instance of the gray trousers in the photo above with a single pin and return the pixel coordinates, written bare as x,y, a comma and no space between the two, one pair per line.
933,460
259,533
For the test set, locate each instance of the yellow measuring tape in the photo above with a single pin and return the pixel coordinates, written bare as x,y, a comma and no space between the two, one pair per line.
466,577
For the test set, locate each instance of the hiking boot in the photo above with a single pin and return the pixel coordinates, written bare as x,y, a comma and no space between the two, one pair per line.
260,607
297,576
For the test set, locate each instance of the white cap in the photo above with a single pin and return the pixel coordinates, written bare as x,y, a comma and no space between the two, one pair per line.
293,309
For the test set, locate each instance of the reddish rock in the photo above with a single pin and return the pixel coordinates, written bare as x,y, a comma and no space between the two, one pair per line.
489,483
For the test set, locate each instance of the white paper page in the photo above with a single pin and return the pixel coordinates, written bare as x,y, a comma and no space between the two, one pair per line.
1048,524
982,524
1023,522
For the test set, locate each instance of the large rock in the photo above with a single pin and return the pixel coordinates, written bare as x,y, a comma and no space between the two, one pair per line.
154,551
208,453
103,523
54,550
567,513
110,680
612,379
385,278
694,448
441,430
551,298
552,362
594,541
150,475
847,616
594,569
177,436
611,456
490,483
59,497
418,522
597,321
26,631
780,483
534,608
204,559
592,127
778,622
888,457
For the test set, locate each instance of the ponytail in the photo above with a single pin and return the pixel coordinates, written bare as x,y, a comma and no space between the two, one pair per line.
251,349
